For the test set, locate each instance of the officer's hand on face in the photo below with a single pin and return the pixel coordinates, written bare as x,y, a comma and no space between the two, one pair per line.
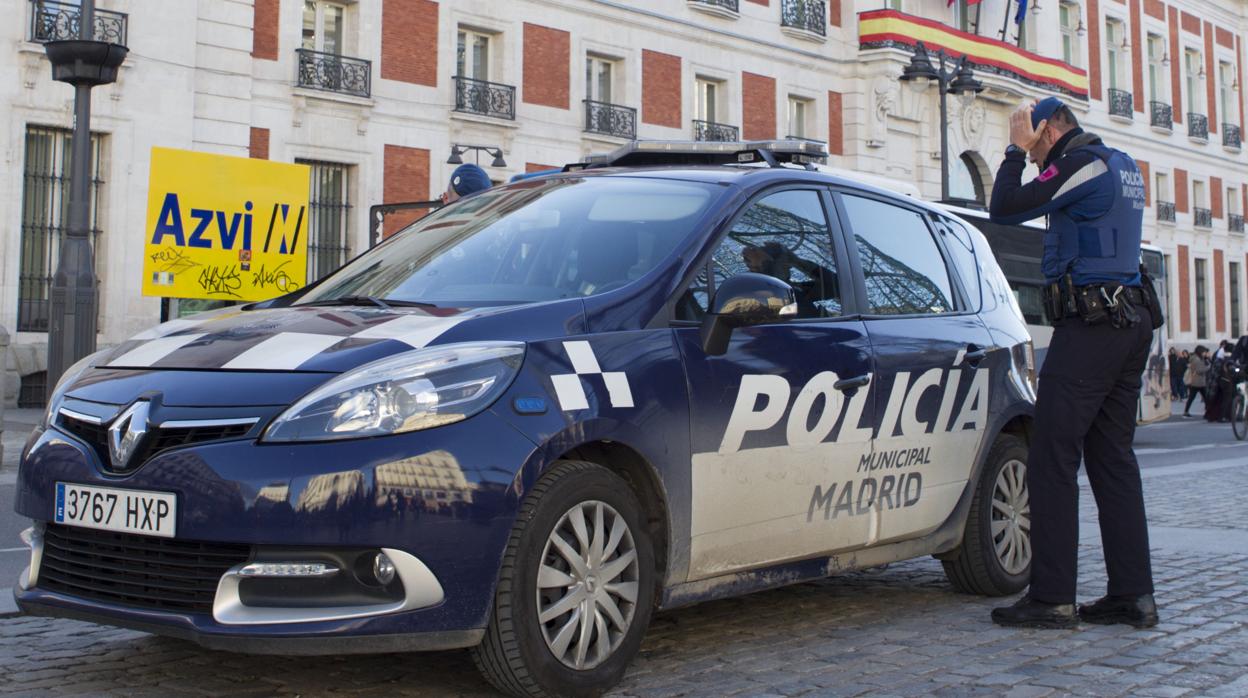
1021,132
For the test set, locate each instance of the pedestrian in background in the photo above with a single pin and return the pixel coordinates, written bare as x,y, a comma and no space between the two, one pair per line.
1180,373
1176,376
1197,368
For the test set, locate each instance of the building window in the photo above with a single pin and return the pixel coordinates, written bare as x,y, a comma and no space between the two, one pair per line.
1226,94
708,94
1200,198
1202,315
1162,192
962,16
801,112
1191,72
892,5
329,202
1068,16
1157,78
1234,289
472,57
45,213
322,26
599,77
1114,53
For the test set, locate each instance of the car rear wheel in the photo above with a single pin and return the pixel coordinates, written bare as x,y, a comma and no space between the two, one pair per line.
575,590
995,557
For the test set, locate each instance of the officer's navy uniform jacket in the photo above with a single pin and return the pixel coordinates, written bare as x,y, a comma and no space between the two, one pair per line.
1094,198
1090,380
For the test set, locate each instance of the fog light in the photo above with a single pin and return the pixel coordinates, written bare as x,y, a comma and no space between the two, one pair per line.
383,569
288,569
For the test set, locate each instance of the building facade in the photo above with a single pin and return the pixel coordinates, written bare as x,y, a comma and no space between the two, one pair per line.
373,95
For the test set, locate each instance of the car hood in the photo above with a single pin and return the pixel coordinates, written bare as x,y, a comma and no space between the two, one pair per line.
327,339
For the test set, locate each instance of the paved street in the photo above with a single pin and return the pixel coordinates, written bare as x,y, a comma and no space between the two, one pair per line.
893,631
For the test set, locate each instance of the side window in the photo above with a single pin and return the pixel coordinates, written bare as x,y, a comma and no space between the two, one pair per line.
961,248
784,235
903,269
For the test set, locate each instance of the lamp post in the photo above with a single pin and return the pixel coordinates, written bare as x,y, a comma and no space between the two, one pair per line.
958,79
83,63
457,150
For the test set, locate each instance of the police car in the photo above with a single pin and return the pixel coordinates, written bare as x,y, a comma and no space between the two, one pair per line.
676,373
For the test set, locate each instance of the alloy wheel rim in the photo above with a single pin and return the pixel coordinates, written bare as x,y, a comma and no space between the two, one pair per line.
1011,518
587,585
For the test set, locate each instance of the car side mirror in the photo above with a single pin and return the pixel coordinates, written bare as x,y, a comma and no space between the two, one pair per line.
741,301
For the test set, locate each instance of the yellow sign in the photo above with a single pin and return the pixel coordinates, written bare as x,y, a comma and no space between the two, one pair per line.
224,228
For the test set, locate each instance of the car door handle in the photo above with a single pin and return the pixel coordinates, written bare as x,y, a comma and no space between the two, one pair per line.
974,354
852,383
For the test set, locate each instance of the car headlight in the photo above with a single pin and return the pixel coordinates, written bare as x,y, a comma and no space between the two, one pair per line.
69,376
408,392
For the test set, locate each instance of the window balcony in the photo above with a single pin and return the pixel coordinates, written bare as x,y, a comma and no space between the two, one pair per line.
610,119
721,8
1120,104
1161,116
1235,223
485,98
60,21
1197,127
711,131
805,15
334,73
1230,136
1165,211
1202,217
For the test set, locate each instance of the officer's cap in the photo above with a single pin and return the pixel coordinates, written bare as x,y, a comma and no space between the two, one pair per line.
1044,109
469,179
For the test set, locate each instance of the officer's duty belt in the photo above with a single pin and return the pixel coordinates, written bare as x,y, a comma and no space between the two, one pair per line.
1091,302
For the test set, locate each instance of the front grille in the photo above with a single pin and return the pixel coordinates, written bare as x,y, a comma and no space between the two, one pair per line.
161,439
161,574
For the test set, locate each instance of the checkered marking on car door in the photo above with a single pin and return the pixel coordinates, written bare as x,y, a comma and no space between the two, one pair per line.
570,387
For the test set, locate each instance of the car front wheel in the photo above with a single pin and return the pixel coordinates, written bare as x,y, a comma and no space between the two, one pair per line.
575,590
995,557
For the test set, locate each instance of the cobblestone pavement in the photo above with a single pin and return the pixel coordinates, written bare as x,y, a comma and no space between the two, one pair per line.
896,631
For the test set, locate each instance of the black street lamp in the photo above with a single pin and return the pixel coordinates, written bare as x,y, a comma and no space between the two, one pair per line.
959,79
83,63
458,150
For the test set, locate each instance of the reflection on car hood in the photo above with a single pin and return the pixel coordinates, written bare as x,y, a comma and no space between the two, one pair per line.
316,339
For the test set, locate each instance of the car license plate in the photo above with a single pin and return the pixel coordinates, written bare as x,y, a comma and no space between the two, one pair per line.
112,509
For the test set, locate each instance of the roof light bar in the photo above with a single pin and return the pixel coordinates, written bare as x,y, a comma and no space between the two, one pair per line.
771,152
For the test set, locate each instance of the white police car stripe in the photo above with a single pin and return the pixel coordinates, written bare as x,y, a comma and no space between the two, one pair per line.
149,353
283,351
414,330
570,387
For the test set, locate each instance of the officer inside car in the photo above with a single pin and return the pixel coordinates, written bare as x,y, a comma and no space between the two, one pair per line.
1103,311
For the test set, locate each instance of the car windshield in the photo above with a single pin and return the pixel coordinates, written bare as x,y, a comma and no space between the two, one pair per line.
531,241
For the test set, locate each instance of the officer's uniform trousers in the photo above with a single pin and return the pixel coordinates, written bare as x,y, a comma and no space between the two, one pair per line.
1086,406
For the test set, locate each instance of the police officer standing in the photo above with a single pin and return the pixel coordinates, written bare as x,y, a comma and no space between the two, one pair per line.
1103,311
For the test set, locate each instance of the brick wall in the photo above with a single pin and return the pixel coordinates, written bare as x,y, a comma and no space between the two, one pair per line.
264,41
1185,290
1225,38
1155,9
538,167
1137,58
406,179
1190,23
758,105
834,12
660,89
1148,181
1211,81
1215,196
1176,63
1181,191
409,41
1219,292
836,124
258,147
1094,50
547,57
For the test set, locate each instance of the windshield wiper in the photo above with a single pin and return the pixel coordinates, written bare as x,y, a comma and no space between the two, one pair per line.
387,304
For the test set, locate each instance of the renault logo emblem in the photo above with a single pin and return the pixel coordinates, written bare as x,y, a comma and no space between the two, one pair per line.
126,434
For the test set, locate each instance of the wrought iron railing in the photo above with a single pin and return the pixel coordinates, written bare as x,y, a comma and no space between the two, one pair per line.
711,131
1161,115
807,15
1235,222
329,71
1120,103
730,5
60,21
485,98
1230,135
1202,217
1165,211
1197,126
610,119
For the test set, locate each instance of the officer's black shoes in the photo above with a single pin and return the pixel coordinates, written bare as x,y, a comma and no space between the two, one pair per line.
1138,611
1028,613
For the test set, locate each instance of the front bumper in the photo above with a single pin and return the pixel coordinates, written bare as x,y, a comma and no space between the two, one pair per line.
441,501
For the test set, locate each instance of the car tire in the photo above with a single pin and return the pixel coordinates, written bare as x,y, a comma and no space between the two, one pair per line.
995,555
521,654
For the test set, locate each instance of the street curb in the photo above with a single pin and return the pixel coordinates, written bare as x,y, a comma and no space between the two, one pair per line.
8,607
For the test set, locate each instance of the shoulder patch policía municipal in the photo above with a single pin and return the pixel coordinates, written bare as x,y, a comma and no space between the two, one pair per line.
1049,173
570,388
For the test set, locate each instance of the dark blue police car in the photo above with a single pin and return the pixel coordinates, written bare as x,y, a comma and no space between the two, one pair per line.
676,373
